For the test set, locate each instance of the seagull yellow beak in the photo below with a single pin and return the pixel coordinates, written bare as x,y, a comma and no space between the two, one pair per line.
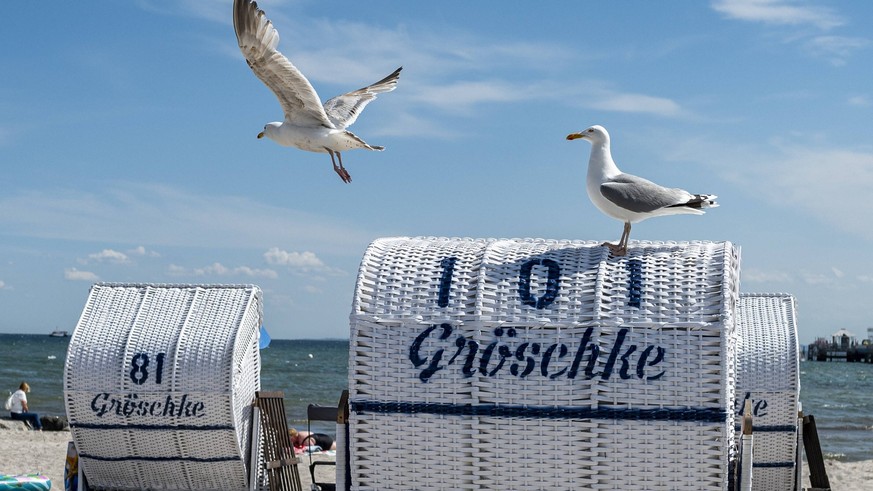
261,135
574,136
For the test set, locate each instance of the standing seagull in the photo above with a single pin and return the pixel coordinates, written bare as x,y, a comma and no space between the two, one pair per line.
629,198
308,125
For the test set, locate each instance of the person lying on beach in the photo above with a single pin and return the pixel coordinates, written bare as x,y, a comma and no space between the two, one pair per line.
19,409
307,439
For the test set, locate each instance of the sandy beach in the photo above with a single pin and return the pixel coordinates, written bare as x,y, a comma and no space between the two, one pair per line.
23,451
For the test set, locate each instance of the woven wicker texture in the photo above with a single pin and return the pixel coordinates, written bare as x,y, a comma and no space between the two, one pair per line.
158,383
542,364
768,375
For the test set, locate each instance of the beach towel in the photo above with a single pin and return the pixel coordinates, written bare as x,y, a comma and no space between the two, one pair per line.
24,482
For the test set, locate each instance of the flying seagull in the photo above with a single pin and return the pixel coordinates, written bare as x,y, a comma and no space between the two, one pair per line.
308,124
629,198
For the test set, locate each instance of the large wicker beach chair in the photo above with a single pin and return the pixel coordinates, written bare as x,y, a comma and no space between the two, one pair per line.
280,462
159,382
768,376
542,364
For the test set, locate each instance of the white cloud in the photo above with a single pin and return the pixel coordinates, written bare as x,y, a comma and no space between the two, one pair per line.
833,48
213,269
831,279
218,269
817,279
2,284
638,103
828,183
107,255
832,184
142,251
836,49
214,10
454,70
254,272
170,216
461,96
347,54
860,101
779,12
408,124
752,275
74,274
301,260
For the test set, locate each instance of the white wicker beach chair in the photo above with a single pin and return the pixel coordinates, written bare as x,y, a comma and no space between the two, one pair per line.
768,376
159,381
542,364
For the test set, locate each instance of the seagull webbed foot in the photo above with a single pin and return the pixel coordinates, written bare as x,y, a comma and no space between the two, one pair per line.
616,250
343,174
339,169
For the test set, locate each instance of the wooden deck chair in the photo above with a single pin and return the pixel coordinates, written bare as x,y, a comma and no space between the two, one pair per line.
339,414
280,462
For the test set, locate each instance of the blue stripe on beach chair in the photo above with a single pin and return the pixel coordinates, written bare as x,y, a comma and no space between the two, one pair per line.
772,428
93,426
773,464
690,414
160,459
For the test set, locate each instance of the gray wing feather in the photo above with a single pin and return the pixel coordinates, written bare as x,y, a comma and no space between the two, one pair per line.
344,109
258,41
641,195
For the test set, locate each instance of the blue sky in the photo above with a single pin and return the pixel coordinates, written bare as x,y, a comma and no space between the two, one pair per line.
128,149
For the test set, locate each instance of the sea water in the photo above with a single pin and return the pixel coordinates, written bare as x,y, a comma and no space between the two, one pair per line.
839,395
307,371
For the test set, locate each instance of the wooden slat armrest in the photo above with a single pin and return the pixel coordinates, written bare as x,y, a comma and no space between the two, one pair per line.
282,463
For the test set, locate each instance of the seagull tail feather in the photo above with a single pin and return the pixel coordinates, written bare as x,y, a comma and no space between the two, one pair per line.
696,204
701,201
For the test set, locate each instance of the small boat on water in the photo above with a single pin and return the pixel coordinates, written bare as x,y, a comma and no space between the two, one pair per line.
59,334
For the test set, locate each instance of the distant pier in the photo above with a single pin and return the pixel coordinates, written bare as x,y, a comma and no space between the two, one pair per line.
862,354
842,347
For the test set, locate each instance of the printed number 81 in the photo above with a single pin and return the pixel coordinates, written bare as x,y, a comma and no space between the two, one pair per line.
139,372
